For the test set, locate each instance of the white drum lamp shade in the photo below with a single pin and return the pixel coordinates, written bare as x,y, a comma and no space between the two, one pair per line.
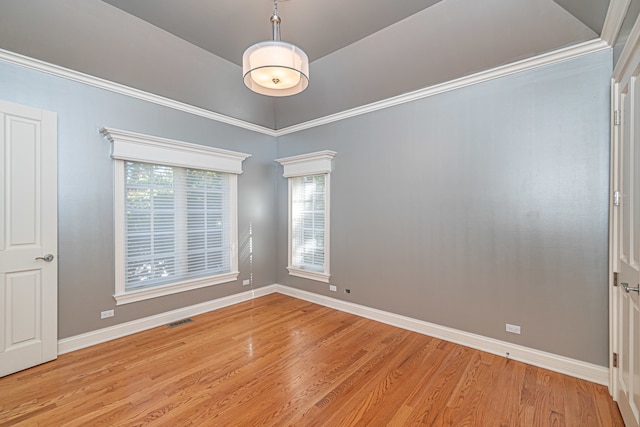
275,68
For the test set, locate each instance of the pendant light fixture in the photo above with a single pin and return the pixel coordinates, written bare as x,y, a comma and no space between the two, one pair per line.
275,68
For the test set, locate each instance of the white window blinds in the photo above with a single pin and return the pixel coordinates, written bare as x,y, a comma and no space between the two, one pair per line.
177,224
309,233
175,219
308,194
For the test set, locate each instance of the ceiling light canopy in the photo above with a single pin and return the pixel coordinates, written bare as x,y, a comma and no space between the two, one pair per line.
275,68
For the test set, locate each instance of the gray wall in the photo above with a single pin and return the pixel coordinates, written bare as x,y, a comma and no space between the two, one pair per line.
407,56
478,207
469,209
98,39
85,193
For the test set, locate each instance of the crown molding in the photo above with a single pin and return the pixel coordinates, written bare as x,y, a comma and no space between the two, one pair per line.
613,22
307,164
139,147
483,76
77,76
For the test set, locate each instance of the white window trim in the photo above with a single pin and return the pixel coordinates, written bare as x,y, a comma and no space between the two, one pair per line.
137,147
310,164
130,146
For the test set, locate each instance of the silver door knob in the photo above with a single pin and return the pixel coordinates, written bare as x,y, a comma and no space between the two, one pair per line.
626,287
49,258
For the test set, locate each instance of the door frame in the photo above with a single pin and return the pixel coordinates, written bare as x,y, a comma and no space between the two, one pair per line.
613,239
623,70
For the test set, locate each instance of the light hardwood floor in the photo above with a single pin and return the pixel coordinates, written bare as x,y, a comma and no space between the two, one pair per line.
281,361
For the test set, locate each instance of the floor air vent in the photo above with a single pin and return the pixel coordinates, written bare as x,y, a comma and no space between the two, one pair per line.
179,322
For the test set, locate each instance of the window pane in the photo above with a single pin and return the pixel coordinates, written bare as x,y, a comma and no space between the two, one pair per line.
177,224
308,222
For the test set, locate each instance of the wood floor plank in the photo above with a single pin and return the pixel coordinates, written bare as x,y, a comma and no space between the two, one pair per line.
280,361
391,387
463,408
608,415
549,401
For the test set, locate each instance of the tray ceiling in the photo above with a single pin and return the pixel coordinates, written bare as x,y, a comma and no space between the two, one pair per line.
361,51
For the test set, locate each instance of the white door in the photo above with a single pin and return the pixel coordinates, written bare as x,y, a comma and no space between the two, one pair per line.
28,237
625,232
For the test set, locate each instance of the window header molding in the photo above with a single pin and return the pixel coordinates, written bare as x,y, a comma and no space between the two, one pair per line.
307,164
153,149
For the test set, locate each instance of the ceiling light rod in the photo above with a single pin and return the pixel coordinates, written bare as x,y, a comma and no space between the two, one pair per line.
275,22
275,68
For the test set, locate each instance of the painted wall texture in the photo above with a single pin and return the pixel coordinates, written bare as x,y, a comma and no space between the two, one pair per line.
475,208
471,209
85,193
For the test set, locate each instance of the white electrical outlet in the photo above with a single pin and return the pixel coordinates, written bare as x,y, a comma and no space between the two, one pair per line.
246,282
333,288
514,329
106,313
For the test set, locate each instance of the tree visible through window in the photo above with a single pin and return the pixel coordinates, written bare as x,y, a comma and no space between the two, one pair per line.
176,215
177,224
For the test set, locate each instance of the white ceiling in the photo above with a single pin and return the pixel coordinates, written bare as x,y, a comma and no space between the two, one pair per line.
362,51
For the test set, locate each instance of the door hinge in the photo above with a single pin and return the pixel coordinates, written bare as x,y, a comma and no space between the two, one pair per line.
616,198
615,360
616,117
615,279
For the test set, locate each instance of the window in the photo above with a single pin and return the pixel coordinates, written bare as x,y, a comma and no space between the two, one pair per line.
308,195
177,224
309,214
176,219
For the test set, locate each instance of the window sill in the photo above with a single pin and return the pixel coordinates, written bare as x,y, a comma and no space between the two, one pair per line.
307,274
174,288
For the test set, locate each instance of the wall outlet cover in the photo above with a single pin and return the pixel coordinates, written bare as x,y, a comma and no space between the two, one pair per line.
106,313
514,329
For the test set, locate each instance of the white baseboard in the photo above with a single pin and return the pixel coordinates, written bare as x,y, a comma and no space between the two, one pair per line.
553,362
77,342
542,359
